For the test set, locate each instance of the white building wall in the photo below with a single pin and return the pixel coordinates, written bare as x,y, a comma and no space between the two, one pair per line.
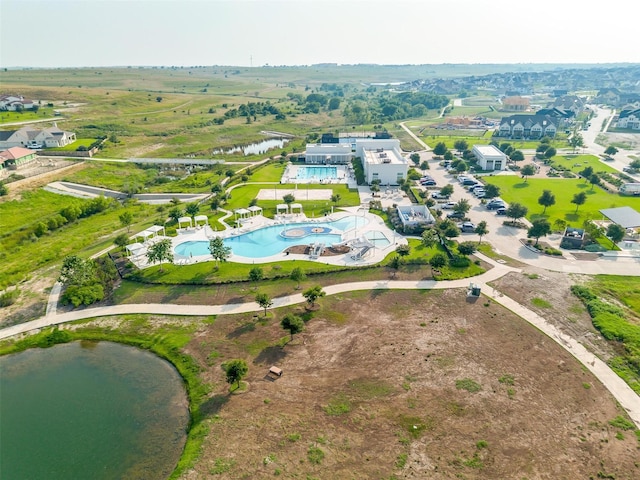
489,157
323,153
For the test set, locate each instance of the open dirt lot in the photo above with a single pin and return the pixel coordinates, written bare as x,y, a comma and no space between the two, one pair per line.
405,384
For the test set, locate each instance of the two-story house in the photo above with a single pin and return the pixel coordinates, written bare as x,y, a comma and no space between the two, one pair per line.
528,126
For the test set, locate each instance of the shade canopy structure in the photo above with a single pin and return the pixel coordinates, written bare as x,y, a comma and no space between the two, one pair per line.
135,249
255,210
182,220
296,206
155,229
626,217
282,207
145,234
201,218
242,213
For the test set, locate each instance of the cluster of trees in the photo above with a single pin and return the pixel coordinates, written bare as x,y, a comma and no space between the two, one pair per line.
545,151
389,107
253,109
71,213
86,281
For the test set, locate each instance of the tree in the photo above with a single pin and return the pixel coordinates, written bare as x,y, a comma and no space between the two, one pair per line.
610,150
539,228
403,250
635,164
546,200
293,323
256,274
516,156
579,199
375,188
312,294
121,240
288,198
175,213
527,171
219,251
3,189
447,190
160,252
334,103
586,172
467,248
415,158
462,206
192,209
429,238
615,233
516,211
158,99
264,301
460,145
461,166
126,218
440,149
481,230
550,152
335,198
491,191
235,370
77,271
594,180
438,261
448,155
297,275
576,141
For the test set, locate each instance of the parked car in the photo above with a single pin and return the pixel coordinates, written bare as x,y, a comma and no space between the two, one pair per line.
469,181
475,187
35,146
456,215
428,183
501,211
495,203
448,205
468,227
479,193
439,196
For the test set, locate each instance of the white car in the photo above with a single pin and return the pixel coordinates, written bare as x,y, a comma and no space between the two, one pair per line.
448,205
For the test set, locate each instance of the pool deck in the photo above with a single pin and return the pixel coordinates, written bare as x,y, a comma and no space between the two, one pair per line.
374,254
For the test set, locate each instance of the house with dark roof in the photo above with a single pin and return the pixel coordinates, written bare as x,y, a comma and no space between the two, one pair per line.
629,119
30,137
528,126
571,103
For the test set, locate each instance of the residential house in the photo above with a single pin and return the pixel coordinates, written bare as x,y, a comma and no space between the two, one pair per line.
31,137
516,104
629,119
571,103
16,157
12,103
527,126
489,157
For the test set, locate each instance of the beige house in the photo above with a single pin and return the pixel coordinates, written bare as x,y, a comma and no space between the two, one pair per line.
29,137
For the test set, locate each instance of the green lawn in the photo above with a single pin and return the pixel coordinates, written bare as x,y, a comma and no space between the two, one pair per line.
577,163
432,137
27,115
514,189
271,172
72,147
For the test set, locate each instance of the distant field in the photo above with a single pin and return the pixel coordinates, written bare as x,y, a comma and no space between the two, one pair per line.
27,115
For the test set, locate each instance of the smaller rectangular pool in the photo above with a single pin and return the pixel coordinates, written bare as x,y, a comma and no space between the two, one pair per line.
316,173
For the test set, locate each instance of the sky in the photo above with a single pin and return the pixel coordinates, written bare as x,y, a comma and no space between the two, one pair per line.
83,33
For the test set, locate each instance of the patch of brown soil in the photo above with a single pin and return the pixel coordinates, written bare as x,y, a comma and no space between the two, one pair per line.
374,387
327,252
47,175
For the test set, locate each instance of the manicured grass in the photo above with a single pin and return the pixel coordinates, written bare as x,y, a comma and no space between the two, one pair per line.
271,172
514,189
25,116
577,163
433,136
72,147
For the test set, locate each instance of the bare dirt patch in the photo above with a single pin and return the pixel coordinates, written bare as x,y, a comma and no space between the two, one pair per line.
416,384
41,175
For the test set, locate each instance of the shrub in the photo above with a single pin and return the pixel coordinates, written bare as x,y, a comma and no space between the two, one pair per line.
83,294
458,261
9,297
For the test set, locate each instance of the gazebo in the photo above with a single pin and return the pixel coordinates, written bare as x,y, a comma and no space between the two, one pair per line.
255,210
296,206
182,220
201,218
135,249
155,229
242,213
144,235
282,207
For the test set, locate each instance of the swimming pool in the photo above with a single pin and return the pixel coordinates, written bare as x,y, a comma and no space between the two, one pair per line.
316,173
269,241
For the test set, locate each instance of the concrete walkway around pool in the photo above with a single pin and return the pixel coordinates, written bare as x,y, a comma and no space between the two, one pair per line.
373,255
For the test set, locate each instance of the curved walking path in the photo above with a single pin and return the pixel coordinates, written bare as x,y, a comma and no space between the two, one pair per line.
627,398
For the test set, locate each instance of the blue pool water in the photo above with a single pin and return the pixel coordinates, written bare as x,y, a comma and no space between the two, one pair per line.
318,173
379,239
268,241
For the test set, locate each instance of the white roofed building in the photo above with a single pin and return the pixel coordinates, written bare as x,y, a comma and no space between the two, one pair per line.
382,160
328,153
490,157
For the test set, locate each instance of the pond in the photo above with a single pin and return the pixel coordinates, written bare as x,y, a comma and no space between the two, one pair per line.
97,410
254,148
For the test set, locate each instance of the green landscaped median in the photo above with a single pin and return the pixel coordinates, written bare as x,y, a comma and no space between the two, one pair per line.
514,189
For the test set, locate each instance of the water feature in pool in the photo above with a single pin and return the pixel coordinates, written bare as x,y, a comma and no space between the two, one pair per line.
268,241
316,173
97,410
379,239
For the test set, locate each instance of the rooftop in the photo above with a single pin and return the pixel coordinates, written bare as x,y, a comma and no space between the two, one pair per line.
381,156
